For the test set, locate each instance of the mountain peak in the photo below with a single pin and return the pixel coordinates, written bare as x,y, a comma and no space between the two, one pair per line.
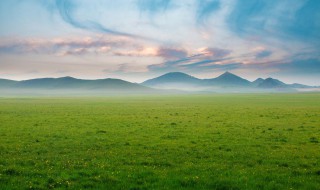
175,74
257,82
269,79
259,79
272,83
227,74
67,77
229,79
172,77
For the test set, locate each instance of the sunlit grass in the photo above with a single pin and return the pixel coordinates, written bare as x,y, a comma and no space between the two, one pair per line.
262,141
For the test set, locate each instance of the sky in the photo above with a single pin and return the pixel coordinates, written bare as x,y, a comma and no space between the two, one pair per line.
136,40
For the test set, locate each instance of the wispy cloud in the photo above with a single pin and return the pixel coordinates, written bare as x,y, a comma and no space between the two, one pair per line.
172,53
66,9
283,20
300,67
77,51
263,54
198,58
205,8
137,52
154,6
65,46
116,46
164,52
215,52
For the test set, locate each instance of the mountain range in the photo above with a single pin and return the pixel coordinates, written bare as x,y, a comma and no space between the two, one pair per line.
70,85
227,82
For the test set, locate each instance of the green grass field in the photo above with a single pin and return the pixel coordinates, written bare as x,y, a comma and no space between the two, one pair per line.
237,141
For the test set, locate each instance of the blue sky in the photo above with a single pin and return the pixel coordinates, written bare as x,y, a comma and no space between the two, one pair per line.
138,39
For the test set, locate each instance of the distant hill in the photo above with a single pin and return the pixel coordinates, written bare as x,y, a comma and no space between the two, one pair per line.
52,83
178,80
73,83
296,85
173,77
257,82
69,83
228,79
7,83
173,80
272,83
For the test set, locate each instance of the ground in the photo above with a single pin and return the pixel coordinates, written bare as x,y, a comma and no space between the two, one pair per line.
219,141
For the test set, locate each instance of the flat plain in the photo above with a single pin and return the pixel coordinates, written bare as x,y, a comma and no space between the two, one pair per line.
219,141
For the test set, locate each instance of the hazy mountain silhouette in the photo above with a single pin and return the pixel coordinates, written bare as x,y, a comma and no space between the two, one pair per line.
227,82
272,83
297,85
7,83
47,83
174,80
227,79
69,83
257,82
178,79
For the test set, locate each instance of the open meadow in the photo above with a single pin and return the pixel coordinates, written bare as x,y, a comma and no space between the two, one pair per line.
218,141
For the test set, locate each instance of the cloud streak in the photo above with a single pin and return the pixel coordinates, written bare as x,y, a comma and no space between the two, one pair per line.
283,20
263,54
199,58
215,52
154,6
66,9
205,9
65,46
116,46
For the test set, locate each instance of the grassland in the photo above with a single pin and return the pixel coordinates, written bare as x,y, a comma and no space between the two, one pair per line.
239,141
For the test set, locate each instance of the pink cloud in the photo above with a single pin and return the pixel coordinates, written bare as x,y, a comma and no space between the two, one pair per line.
66,46
172,53
214,52
138,52
77,51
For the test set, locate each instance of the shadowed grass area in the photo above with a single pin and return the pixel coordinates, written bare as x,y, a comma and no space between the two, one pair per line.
238,141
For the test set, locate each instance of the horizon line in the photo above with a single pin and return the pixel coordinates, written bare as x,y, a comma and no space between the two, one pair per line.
68,76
